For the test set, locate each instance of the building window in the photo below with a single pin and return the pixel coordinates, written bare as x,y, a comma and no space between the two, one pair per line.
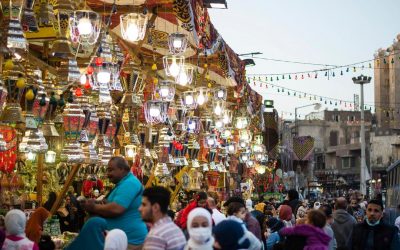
336,118
348,162
333,138
351,118
379,160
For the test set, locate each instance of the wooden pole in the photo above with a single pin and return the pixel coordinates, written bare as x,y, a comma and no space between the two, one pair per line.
64,190
39,177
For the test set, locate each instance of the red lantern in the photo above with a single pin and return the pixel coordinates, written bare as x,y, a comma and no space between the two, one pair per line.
99,61
78,92
90,70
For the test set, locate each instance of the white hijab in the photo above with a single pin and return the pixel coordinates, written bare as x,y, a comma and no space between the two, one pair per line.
15,222
195,245
116,239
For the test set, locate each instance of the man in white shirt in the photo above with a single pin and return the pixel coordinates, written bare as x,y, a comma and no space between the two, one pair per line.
217,216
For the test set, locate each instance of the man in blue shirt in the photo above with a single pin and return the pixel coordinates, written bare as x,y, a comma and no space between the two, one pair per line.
121,208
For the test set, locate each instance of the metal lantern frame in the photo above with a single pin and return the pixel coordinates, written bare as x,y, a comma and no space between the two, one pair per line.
220,93
130,151
177,43
241,122
128,29
245,135
219,124
173,65
211,141
218,108
244,156
159,116
193,124
95,22
201,92
185,76
227,117
188,100
165,90
231,148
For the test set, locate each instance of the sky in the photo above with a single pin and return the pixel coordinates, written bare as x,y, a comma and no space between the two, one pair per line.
336,32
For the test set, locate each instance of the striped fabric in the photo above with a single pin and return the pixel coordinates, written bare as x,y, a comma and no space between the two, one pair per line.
165,234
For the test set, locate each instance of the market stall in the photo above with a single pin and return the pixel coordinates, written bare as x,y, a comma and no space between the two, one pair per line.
152,81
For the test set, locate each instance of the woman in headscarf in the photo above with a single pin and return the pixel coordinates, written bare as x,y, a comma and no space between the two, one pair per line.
34,226
199,226
116,239
15,222
91,237
285,214
200,200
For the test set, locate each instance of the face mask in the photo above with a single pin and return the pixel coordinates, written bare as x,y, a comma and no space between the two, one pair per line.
372,224
200,234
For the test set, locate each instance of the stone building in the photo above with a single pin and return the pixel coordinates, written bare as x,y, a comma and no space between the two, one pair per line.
337,147
387,86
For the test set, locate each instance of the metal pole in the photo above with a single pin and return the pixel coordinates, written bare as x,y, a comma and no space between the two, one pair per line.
363,186
295,121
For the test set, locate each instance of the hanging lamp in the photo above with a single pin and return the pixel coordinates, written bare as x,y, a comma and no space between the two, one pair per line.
133,26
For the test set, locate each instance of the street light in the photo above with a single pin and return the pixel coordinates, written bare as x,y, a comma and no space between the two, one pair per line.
364,175
316,105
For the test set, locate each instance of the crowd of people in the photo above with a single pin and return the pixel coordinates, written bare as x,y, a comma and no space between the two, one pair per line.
132,217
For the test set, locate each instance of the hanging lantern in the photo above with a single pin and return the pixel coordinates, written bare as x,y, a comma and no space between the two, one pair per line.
241,122
156,111
249,163
12,32
258,149
219,124
227,133
210,141
130,151
219,107
227,118
165,90
220,93
33,141
244,157
173,65
188,100
73,118
50,157
89,153
46,14
177,43
41,103
243,144
245,135
104,116
258,139
85,106
185,76
85,26
201,95
231,148
133,26
193,124
260,168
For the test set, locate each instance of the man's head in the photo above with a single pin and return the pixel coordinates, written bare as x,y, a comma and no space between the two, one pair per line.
201,198
353,202
374,212
155,203
117,169
234,199
211,202
341,203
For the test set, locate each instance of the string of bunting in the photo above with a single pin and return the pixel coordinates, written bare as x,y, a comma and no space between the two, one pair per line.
328,71
324,99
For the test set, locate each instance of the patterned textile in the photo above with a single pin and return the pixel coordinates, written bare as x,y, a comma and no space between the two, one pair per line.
303,147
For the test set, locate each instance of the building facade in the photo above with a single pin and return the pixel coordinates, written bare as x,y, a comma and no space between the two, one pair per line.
387,86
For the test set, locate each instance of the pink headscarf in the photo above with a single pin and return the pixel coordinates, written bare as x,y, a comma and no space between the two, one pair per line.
285,213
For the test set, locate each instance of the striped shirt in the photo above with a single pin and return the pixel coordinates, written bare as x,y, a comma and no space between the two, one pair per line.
165,234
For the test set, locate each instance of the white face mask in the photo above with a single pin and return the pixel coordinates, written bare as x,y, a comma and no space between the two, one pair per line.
200,234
